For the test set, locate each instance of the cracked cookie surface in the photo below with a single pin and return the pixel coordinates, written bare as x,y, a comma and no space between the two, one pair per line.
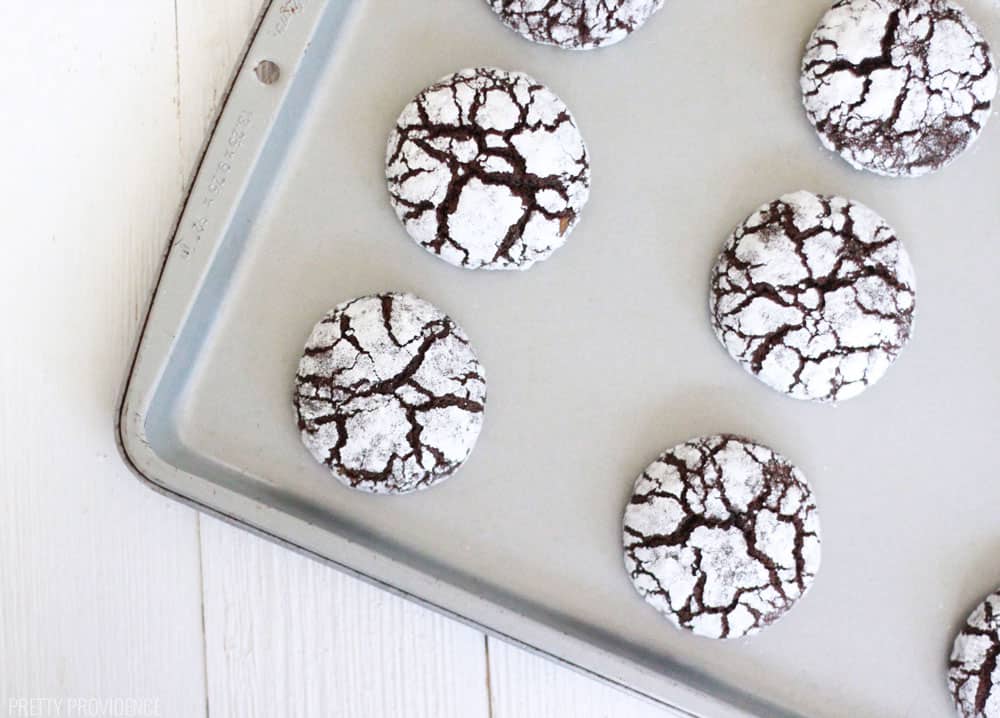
487,170
898,87
722,536
575,24
814,295
974,669
389,394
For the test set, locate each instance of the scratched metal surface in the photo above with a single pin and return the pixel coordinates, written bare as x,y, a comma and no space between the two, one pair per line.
597,359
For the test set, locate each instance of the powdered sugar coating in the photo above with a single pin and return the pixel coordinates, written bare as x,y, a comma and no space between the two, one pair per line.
974,670
722,536
898,87
575,24
389,394
814,295
487,170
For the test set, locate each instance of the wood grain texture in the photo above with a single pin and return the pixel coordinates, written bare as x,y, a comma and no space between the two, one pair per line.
101,592
289,636
523,685
211,37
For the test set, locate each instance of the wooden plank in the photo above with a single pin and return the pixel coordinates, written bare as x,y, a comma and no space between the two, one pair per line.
99,575
288,636
523,685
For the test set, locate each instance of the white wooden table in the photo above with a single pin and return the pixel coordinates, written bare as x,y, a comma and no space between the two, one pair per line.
107,590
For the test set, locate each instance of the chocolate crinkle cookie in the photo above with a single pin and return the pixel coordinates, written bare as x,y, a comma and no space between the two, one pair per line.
575,24
898,87
487,170
722,536
974,670
814,295
389,394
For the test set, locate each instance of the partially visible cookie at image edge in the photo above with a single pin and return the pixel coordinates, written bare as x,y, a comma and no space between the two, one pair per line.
389,394
974,669
575,24
898,87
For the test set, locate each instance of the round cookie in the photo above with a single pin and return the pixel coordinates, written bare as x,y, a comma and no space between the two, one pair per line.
722,536
575,24
974,670
389,394
814,296
898,87
487,170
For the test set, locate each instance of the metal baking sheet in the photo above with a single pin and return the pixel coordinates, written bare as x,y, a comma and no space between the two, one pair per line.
598,359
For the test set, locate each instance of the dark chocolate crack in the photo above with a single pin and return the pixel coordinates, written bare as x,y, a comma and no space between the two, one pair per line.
575,24
898,87
974,669
722,536
486,169
814,295
389,394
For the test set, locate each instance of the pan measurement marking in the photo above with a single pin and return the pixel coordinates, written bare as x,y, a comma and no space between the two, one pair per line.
216,182
286,12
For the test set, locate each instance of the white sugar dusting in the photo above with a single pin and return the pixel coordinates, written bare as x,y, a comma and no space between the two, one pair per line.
487,170
974,669
814,296
727,545
575,24
900,88
389,394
